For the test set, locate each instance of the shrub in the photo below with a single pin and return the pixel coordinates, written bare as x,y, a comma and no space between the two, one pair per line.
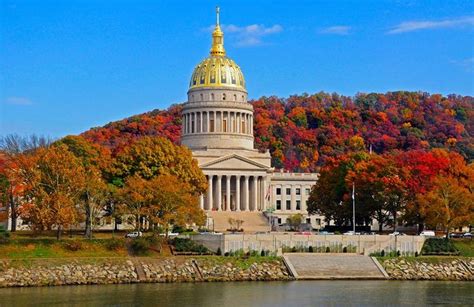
187,245
398,253
344,249
293,249
416,254
113,244
262,253
328,250
382,253
310,249
226,254
438,246
73,245
4,236
140,246
219,252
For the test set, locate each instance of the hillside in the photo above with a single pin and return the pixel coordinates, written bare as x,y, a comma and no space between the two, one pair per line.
303,130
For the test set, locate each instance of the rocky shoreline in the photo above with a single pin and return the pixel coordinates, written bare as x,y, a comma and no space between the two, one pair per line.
58,272
455,269
135,270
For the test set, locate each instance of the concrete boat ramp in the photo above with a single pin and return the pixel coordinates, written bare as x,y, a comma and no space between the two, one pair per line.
333,266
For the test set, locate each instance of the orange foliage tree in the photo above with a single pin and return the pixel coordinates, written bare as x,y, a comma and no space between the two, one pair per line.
54,179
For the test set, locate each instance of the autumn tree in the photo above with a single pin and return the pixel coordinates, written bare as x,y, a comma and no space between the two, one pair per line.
96,162
449,202
331,195
12,147
149,157
54,179
163,200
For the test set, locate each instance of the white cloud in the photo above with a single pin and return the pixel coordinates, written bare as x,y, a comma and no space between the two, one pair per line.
251,35
410,26
337,30
466,64
19,101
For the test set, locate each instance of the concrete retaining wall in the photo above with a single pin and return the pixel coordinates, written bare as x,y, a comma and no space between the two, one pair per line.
363,244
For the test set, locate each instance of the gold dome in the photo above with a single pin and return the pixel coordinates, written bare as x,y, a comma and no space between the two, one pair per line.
217,70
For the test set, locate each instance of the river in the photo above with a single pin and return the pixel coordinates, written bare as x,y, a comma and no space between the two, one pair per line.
293,293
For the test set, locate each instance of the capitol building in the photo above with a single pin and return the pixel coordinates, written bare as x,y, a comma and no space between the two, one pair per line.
218,129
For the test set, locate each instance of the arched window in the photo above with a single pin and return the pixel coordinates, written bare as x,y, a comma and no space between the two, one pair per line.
235,97
223,96
212,96
202,97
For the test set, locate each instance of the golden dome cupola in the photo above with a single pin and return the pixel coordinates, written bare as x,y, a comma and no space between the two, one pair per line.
217,70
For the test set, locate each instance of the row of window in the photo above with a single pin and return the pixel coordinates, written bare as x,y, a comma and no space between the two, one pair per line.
288,191
288,204
317,221
212,97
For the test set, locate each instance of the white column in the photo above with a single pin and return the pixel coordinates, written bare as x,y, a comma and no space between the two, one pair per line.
255,193
293,198
283,198
200,122
219,192
195,122
246,193
264,193
215,122
227,192
207,122
201,201
237,193
209,193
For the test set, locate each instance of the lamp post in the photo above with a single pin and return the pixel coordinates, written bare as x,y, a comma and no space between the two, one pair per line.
353,208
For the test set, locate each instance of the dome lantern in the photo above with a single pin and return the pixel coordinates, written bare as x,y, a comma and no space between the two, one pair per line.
217,70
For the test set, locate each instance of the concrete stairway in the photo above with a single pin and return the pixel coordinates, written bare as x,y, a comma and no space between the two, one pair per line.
253,221
333,266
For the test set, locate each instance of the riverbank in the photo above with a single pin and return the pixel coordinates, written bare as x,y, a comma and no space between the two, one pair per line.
126,270
429,268
56,272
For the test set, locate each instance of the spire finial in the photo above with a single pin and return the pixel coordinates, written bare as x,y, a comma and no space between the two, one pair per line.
217,48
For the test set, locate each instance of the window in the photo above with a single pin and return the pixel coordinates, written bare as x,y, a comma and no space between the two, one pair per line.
298,191
211,125
308,220
318,222
192,123
278,204
224,125
288,191
212,96
298,205
278,191
279,220
307,191
288,205
223,96
202,97
235,97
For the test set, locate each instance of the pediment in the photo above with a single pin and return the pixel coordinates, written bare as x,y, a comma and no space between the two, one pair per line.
234,162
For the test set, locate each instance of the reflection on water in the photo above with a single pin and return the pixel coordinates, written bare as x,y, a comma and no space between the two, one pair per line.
296,293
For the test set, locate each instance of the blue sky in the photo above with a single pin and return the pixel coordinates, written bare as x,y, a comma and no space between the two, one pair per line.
66,66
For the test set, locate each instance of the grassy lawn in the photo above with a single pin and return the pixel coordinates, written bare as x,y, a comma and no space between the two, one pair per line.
465,246
49,248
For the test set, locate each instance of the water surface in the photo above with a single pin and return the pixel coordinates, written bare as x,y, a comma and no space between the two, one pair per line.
293,293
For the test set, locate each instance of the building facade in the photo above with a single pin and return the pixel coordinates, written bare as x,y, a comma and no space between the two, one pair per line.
218,128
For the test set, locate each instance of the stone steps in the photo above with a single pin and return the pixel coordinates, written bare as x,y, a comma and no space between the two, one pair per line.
253,221
333,266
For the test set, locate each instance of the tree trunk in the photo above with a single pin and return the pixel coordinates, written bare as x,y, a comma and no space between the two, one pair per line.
58,233
13,212
88,229
394,221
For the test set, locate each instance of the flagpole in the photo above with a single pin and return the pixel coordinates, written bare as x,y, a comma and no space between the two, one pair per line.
353,208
